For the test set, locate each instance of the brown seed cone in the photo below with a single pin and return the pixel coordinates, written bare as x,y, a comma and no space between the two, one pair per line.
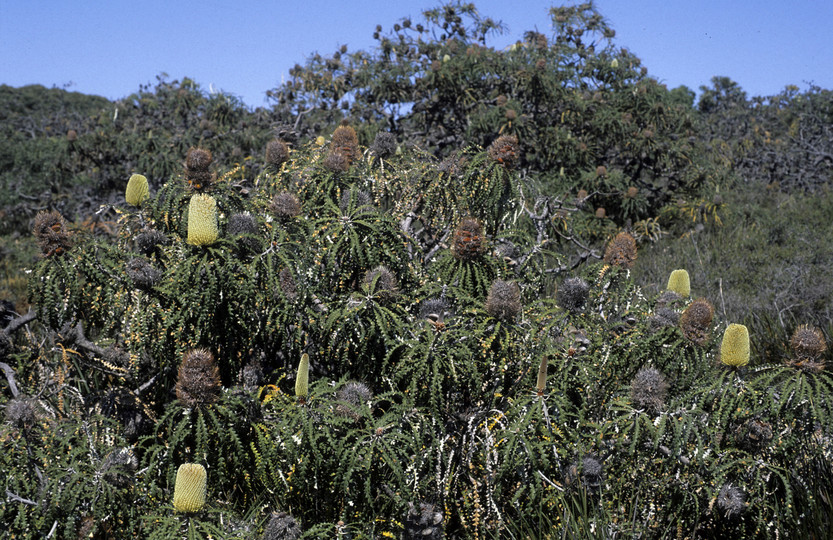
504,300
469,242
621,251
285,206
277,152
696,321
198,382
808,342
504,150
345,142
51,233
197,163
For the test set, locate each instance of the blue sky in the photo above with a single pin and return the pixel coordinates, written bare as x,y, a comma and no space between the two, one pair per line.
246,47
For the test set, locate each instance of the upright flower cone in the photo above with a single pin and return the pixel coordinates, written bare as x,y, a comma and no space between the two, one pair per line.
541,383
302,380
679,283
137,190
202,220
189,491
734,351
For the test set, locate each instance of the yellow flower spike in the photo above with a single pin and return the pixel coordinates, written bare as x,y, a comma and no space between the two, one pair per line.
137,190
679,283
302,380
734,351
189,492
202,220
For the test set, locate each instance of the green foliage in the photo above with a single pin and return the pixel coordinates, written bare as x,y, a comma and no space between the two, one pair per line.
425,287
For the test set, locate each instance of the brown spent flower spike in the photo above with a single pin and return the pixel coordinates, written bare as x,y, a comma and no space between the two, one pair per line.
285,206
345,142
504,150
621,251
197,162
277,152
52,234
469,242
198,382
696,321
808,345
504,300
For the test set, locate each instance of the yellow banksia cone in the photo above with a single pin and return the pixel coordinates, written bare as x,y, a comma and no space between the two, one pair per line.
679,283
734,351
302,380
189,492
202,220
137,190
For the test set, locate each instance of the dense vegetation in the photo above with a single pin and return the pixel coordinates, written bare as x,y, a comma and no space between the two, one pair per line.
425,293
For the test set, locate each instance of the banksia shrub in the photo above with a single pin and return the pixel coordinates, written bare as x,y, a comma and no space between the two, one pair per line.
277,153
504,300
137,190
423,522
621,251
808,345
198,381
696,321
679,283
197,163
141,273
189,491
384,145
572,294
381,282
469,242
285,206
504,150
282,526
734,350
202,220
52,234
648,390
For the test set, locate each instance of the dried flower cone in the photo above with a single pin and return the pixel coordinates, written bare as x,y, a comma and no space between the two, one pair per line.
808,345
621,251
52,234
277,152
302,380
679,283
197,164
202,220
734,350
469,243
189,491
504,300
504,150
198,381
137,190
696,321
